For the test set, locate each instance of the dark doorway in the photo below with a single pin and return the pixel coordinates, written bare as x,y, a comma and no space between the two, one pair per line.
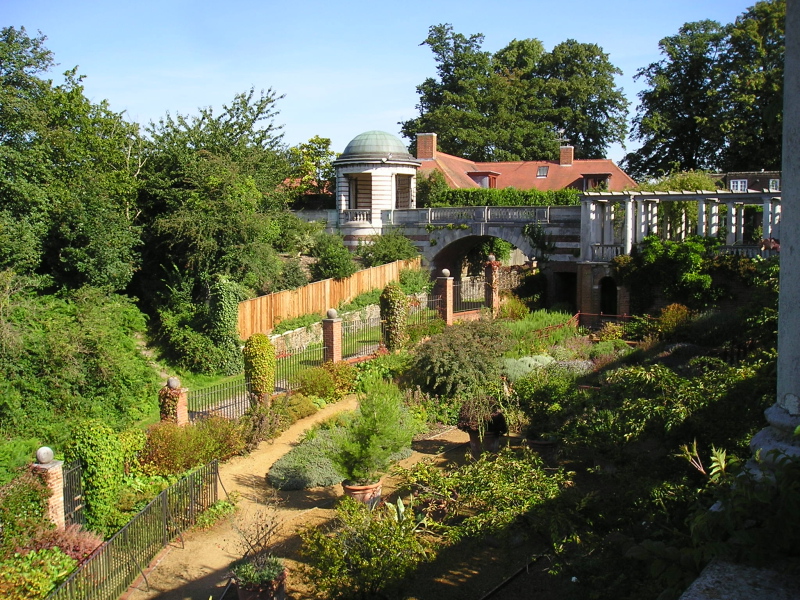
608,296
565,294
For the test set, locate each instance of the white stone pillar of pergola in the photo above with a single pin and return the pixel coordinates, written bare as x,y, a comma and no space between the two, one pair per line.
628,232
702,226
730,234
713,218
608,223
652,220
641,222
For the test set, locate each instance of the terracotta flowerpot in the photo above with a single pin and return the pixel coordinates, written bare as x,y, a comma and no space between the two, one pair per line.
490,443
274,590
366,494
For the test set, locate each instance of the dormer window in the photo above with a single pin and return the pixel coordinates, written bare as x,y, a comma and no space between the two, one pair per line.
738,185
774,185
542,171
485,179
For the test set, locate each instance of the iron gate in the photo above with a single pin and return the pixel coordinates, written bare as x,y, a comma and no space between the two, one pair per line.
73,494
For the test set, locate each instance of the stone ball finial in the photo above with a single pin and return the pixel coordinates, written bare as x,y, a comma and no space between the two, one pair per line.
332,314
445,272
173,383
44,455
492,258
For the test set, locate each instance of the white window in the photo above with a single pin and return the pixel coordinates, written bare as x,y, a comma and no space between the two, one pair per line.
542,171
738,185
774,185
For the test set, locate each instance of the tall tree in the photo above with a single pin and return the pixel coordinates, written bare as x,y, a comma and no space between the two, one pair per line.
715,99
679,116
752,84
68,174
510,105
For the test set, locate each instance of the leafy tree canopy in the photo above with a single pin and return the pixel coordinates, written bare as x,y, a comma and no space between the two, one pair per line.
512,104
715,99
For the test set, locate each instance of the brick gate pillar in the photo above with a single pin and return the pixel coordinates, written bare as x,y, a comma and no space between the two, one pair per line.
444,288
173,402
332,336
52,472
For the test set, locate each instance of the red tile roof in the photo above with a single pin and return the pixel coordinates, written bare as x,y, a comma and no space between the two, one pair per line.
523,174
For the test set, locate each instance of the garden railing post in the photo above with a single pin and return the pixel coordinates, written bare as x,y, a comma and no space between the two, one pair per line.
444,288
332,337
52,471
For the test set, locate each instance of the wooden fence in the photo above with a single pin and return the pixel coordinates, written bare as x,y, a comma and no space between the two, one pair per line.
259,315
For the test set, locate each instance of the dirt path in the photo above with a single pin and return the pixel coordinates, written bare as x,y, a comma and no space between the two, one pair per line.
198,568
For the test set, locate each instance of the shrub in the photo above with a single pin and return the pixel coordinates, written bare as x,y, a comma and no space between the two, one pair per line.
73,540
23,509
306,465
33,575
488,495
223,311
315,381
425,329
259,365
394,313
516,368
99,450
461,358
386,248
299,406
611,331
344,378
513,308
381,427
387,366
671,318
432,409
174,449
259,423
364,552
132,442
334,260
415,281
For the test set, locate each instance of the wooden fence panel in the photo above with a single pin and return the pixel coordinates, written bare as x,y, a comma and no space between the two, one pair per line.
259,315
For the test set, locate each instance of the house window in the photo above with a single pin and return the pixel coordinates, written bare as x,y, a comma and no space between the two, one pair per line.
542,171
774,185
738,185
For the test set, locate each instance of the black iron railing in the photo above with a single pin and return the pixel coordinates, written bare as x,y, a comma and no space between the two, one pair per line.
229,399
73,494
112,568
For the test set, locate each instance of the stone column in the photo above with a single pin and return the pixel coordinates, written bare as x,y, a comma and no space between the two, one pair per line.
730,237
492,291
713,222
784,416
52,472
444,287
641,223
701,218
628,232
332,337
608,223
587,209
653,220
766,222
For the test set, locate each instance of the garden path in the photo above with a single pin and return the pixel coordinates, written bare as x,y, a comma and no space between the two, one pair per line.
197,569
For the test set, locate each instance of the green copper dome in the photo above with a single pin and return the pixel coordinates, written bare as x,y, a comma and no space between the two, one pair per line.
376,144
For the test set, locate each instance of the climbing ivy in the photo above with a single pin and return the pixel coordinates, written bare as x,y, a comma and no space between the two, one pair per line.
394,314
259,365
224,316
100,452
168,403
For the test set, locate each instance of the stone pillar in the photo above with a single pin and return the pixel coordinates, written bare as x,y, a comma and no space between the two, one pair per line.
730,237
628,232
701,218
332,337
784,416
444,287
492,291
587,209
52,472
713,221
641,223
608,223
173,402
766,223
653,217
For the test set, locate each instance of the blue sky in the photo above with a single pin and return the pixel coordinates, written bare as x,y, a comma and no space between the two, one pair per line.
344,67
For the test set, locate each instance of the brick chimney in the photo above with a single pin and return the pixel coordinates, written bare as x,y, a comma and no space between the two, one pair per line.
426,146
567,154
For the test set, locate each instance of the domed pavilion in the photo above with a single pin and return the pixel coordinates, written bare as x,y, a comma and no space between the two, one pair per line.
374,173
